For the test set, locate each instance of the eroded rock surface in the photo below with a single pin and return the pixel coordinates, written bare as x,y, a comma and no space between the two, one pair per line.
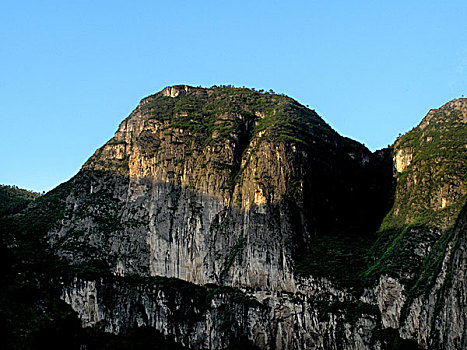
223,215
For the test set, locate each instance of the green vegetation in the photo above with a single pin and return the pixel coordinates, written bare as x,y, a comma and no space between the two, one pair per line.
213,117
352,310
230,259
415,235
439,164
391,340
293,123
30,319
14,199
340,258
432,264
24,232
394,254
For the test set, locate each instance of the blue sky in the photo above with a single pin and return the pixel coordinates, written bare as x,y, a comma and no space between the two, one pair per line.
71,71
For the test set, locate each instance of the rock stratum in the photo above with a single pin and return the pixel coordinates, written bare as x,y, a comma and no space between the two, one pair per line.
224,217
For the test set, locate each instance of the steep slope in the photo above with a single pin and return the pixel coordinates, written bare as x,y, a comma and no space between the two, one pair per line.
226,217
431,165
32,314
431,187
421,244
224,185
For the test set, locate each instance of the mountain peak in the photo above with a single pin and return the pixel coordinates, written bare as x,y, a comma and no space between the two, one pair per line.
454,111
457,103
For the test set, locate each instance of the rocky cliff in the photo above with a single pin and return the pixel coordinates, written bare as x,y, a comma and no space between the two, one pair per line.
224,186
225,216
422,239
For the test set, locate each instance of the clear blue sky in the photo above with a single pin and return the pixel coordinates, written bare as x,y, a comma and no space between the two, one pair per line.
71,71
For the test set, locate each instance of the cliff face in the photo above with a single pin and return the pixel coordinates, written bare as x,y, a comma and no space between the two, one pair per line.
218,318
223,186
436,317
225,215
430,161
421,247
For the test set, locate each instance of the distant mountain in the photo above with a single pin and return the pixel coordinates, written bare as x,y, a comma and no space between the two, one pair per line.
14,199
225,217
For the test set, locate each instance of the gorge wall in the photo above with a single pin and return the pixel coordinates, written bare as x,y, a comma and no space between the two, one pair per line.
223,216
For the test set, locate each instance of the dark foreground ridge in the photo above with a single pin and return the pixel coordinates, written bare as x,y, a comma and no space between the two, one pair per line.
231,218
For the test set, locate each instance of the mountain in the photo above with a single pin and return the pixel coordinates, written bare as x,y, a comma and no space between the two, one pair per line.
225,217
422,239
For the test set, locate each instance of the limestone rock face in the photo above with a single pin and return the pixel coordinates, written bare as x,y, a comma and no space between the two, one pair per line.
437,317
422,238
402,159
226,215
269,322
177,90
391,298
214,186
430,160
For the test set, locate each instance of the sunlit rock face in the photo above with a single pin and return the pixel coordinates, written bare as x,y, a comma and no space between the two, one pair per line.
402,159
215,186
